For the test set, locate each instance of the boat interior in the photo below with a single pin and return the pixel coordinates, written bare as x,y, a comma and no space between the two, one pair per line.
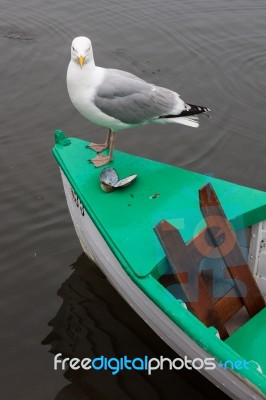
211,275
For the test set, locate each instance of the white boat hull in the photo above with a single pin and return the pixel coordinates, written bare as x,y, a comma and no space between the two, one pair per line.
97,249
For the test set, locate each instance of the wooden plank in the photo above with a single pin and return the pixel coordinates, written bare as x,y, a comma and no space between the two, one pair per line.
185,259
182,260
228,305
225,239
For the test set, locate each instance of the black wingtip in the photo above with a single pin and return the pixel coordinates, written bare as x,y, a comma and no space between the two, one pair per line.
197,109
191,109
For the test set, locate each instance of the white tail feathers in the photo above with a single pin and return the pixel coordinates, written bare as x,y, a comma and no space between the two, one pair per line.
192,121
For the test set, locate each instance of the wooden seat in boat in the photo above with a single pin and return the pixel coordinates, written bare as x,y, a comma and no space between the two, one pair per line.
184,259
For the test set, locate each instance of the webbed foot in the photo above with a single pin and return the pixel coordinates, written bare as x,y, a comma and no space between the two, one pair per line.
100,160
97,147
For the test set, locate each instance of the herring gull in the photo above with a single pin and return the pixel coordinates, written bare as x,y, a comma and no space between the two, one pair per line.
119,100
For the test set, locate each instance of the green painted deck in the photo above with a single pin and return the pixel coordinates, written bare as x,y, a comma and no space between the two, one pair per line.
126,217
250,340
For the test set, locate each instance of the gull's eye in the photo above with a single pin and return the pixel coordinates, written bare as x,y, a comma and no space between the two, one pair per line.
73,48
88,49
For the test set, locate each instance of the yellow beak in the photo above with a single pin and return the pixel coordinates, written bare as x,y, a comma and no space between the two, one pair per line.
81,61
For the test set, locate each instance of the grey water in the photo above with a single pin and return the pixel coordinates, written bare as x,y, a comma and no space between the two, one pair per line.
52,298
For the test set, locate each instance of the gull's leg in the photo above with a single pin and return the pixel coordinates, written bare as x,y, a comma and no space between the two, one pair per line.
101,147
101,160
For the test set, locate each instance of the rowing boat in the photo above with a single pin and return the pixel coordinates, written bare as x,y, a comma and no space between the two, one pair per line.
120,231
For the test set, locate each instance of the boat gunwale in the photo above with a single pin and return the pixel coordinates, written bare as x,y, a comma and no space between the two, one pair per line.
205,338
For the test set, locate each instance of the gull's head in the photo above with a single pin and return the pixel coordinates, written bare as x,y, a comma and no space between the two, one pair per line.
81,51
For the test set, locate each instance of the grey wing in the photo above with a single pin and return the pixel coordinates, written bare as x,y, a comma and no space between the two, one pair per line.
132,100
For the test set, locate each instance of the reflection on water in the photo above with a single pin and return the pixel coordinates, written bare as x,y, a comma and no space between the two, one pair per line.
212,52
93,321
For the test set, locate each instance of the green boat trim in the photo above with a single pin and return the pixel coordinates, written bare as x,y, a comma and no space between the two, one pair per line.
132,213
125,218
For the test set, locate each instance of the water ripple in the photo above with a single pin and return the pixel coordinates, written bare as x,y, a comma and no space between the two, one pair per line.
211,52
